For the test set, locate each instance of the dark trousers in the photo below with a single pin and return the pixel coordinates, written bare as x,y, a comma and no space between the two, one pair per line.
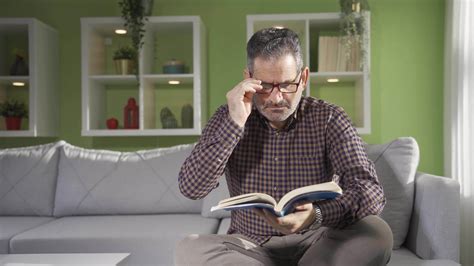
367,242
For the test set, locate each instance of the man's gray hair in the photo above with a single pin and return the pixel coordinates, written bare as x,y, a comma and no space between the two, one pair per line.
272,43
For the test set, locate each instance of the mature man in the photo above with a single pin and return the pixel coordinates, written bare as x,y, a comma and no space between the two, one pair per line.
270,139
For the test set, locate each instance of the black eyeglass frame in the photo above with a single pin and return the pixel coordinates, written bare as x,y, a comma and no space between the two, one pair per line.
279,84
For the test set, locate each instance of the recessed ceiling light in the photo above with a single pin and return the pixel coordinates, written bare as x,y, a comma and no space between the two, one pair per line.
18,84
279,27
333,80
174,82
120,31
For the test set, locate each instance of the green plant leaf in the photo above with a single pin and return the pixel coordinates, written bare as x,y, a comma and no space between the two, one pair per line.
13,108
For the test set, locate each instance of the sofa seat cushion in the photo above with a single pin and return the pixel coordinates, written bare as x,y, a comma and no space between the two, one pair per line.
13,225
404,257
151,239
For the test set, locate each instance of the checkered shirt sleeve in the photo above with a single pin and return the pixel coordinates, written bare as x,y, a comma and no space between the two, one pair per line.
362,193
201,170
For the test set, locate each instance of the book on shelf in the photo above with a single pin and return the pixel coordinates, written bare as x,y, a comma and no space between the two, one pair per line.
322,48
332,54
311,193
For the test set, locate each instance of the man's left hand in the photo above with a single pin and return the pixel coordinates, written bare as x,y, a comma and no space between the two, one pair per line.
302,217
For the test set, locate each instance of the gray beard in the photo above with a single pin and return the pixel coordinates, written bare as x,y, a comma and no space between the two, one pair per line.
280,117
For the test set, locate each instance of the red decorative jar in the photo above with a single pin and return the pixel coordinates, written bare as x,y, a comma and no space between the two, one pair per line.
130,114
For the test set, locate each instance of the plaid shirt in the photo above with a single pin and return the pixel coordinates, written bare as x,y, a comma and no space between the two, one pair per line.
319,144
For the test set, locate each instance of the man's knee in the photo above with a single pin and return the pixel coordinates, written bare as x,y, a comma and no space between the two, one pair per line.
378,235
366,242
186,247
380,231
184,243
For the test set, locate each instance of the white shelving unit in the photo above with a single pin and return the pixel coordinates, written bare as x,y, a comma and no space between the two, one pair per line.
39,42
168,37
355,88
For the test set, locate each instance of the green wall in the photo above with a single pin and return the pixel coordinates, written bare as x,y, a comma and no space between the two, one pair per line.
406,64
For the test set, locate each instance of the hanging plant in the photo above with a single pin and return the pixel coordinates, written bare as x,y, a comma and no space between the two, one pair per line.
354,26
135,13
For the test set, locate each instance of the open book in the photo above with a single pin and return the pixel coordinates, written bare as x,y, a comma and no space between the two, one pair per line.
312,193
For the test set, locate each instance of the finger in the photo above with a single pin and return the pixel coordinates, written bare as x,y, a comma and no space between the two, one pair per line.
304,207
300,208
284,221
253,80
285,226
241,91
279,221
271,219
253,85
249,87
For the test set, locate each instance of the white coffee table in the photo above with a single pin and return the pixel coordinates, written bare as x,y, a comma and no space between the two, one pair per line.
65,259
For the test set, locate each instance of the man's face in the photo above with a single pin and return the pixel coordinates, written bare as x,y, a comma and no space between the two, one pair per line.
276,106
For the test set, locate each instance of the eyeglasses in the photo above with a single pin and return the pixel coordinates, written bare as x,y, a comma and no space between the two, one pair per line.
287,87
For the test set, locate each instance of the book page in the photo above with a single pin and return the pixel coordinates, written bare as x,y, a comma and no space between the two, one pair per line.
248,198
328,187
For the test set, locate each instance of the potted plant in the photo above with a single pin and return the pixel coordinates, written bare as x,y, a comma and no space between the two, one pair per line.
13,111
125,59
354,27
135,13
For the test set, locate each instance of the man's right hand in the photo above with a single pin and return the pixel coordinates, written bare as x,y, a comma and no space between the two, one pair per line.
239,100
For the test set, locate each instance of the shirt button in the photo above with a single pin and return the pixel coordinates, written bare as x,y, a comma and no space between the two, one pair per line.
275,188
276,158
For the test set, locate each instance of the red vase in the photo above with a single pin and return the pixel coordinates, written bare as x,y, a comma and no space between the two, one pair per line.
130,114
13,123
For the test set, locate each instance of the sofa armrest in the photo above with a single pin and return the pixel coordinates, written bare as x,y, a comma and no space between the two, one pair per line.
435,221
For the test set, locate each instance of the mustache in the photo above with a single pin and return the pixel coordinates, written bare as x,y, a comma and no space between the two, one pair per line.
281,103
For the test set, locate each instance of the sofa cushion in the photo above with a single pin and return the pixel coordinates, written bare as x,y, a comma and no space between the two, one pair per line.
224,226
217,194
404,257
396,163
109,182
13,225
151,239
28,179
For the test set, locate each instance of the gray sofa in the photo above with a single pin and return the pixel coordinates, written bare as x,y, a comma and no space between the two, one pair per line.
58,198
